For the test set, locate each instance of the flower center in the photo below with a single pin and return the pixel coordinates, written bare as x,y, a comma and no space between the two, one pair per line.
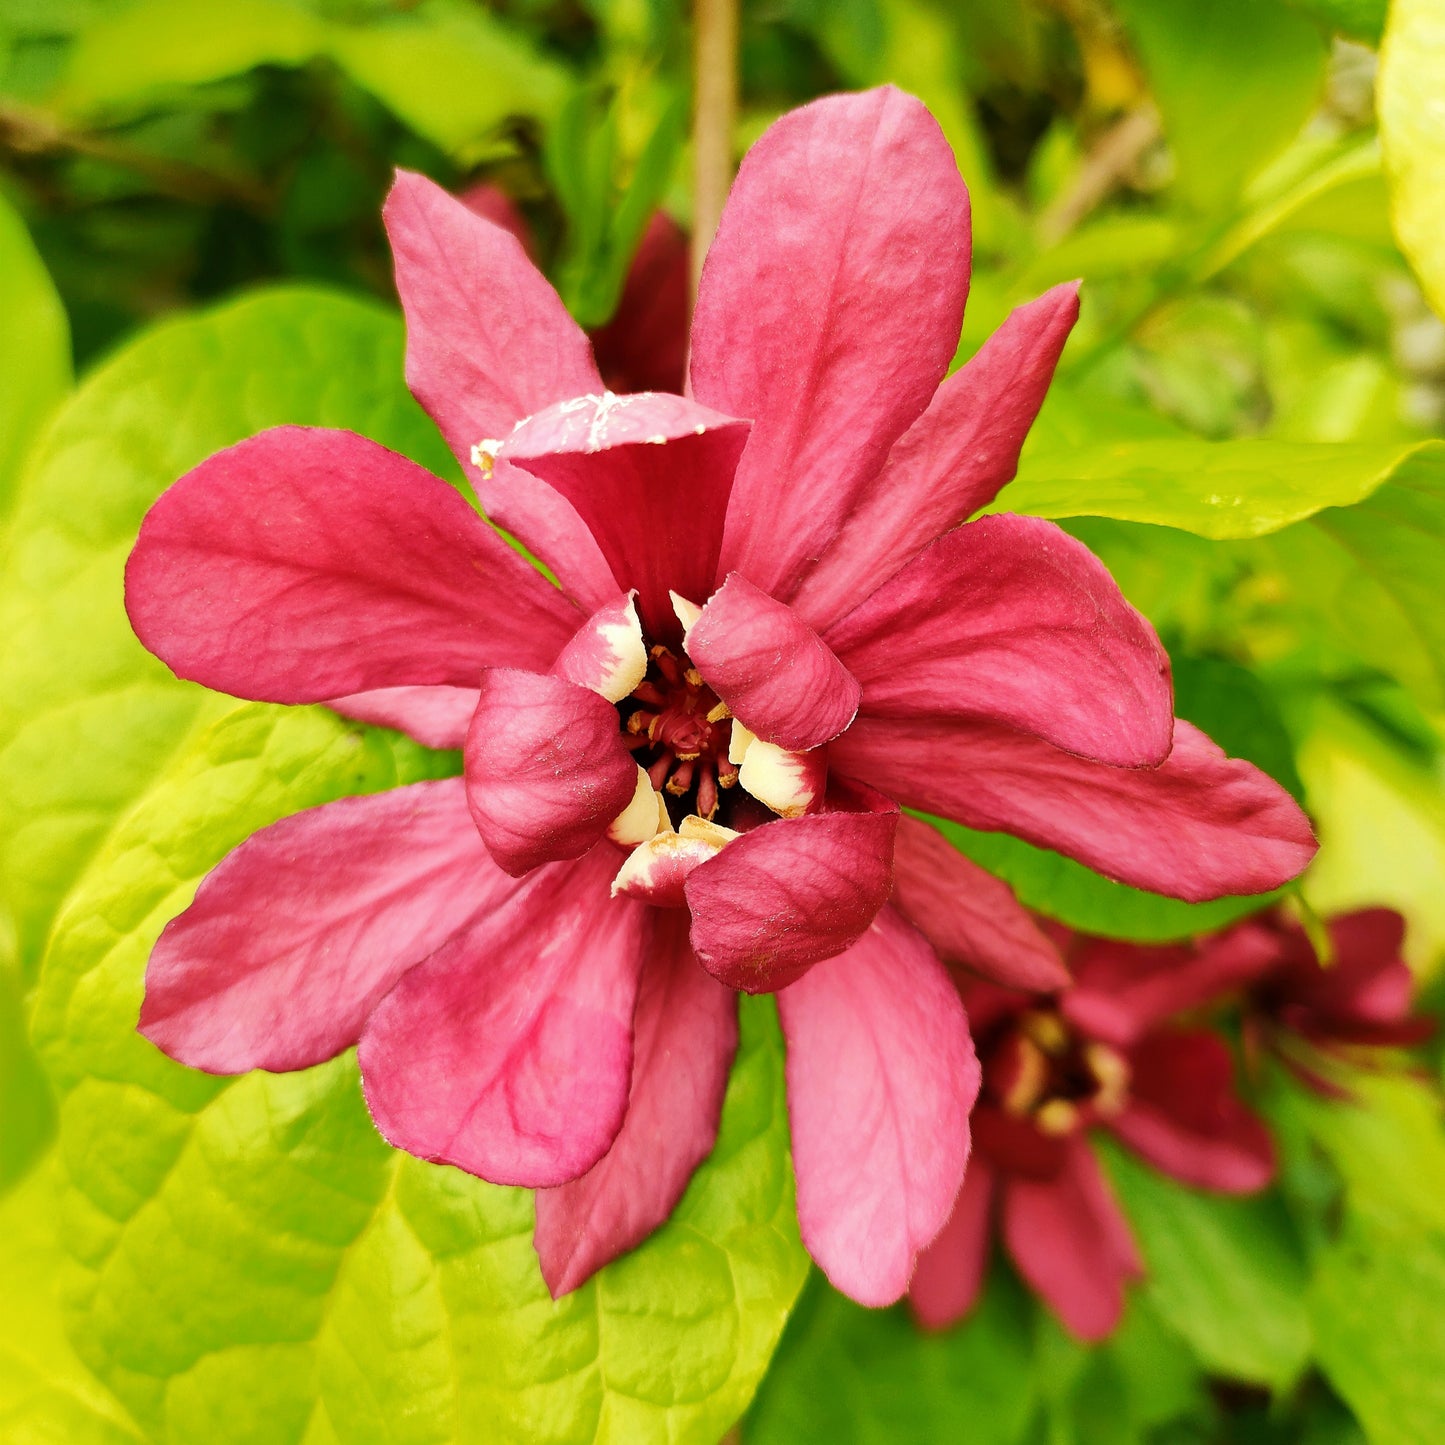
679,731
1040,1070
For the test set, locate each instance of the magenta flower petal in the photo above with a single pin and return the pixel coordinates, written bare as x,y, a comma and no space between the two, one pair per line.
1071,1243
951,462
1010,620
550,529
791,892
1183,1116
302,565
436,717
686,1033
295,936
951,1271
509,1051
650,475
1368,982
829,310
779,678
969,916
1122,990
488,341
1201,826
881,1076
546,768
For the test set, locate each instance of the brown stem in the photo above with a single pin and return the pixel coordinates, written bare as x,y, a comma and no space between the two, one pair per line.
715,104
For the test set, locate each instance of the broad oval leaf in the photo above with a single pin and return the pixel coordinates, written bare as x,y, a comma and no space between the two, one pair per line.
1226,1274
86,715
252,1258
1221,490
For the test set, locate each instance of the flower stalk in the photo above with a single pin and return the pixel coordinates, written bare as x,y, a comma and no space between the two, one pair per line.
715,104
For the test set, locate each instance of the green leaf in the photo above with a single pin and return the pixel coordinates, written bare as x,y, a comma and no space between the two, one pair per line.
1235,708
1220,490
1057,886
1234,79
605,216
123,59
1388,1144
1380,1332
34,346
27,1112
1225,1274
47,1397
853,1376
86,715
452,72
1359,19
1412,131
1344,541
254,1260
1380,814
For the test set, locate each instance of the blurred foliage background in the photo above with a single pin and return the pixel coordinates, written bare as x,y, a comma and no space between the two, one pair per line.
1215,172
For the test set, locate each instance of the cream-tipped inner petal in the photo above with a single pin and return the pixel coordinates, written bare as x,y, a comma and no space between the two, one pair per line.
687,612
788,783
643,818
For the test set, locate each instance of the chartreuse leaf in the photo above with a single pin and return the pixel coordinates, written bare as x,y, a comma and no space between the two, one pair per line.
27,1113
1356,771
34,346
1380,1331
86,715
1220,490
451,71
1234,79
852,1376
1388,1144
1359,19
1412,131
47,1397
1224,1274
254,1264
1345,540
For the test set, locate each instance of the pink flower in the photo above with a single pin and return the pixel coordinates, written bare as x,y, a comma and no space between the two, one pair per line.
767,635
1048,1078
1304,1013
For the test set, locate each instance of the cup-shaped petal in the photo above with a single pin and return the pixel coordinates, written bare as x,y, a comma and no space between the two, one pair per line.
778,899
777,676
546,768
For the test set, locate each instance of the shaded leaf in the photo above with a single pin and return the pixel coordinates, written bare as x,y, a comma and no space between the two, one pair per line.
34,347
1224,1273
853,1376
